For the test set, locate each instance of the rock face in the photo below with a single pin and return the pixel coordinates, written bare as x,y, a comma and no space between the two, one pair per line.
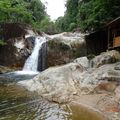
18,45
60,83
15,52
65,47
42,59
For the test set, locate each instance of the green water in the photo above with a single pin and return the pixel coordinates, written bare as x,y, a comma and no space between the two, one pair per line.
17,103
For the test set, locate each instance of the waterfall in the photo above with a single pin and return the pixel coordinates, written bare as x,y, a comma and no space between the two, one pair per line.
31,63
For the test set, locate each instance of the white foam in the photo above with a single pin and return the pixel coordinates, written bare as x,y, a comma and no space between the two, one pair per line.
25,72
31,63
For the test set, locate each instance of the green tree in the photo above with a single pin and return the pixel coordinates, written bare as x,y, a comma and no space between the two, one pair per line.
88,15
2,42
13,11
47,26
72,11
38,10
26,11
94,14
61,24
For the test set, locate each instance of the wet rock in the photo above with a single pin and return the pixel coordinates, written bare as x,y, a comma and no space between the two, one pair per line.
42,59
4,69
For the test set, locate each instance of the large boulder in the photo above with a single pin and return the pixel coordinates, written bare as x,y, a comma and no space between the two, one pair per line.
106,58
57,83
102,79
65,47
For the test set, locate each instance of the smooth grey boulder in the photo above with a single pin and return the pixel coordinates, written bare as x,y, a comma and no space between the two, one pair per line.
57,83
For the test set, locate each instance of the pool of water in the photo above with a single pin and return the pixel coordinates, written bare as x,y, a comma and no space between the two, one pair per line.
16,103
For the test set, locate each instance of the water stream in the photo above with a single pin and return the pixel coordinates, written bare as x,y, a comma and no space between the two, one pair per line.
31,63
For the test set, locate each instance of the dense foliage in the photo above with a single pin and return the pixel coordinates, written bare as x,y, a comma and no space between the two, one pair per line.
88,15
85,15
2,42
25,11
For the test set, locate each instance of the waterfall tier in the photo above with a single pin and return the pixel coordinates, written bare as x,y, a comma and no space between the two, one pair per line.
31,63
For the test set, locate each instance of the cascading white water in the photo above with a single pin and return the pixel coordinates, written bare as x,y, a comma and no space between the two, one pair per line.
31,63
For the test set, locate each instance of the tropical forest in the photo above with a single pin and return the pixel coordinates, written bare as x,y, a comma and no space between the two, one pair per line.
59,59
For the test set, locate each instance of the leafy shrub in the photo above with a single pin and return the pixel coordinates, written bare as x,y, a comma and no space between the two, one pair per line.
72,26
2,42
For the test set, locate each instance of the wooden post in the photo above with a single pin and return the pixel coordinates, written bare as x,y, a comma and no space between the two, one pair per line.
108,38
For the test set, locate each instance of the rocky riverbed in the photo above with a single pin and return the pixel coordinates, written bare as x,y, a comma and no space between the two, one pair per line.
77,82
